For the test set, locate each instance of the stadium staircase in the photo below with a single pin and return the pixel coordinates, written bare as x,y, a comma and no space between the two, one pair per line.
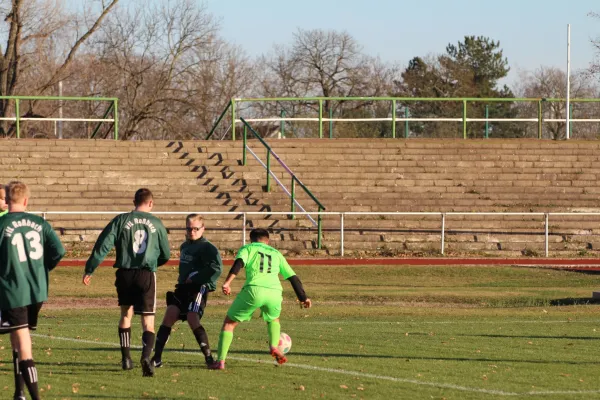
346,175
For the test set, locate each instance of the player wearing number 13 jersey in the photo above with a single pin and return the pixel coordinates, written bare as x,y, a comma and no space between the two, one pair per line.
262,290
141,244
29,249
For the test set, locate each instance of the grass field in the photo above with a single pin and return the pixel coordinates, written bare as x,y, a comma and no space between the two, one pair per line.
373,333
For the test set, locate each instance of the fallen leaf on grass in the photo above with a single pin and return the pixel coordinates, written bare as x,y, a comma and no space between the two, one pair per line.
343,387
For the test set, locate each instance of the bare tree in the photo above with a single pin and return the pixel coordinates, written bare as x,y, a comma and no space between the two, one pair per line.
550,82
169,68
31,30
595,65
325,64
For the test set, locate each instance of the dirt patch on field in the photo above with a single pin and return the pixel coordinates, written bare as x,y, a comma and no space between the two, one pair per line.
62,303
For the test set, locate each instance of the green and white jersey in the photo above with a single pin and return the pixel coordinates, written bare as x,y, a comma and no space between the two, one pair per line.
140,240
29,248
263,265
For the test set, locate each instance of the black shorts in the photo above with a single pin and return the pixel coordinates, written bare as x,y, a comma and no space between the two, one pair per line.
188,298
20,317
137,288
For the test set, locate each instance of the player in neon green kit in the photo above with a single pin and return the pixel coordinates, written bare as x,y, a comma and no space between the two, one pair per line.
262,290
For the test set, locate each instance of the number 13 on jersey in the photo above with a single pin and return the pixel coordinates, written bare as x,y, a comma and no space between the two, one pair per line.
36,251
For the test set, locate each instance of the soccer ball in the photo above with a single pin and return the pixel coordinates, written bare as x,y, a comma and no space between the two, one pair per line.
285,343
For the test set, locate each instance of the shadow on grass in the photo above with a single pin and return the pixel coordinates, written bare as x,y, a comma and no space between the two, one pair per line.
532,337
573,301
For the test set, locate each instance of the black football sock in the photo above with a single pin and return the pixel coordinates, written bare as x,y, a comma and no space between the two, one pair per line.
202,339
19,382
125,339
148,343
30,376
162,337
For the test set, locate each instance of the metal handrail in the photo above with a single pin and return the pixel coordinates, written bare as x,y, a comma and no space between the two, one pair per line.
320,118
229,104
342,216
288,170
108,110
17,118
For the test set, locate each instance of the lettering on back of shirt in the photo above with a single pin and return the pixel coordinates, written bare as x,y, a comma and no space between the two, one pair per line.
140,221
19,224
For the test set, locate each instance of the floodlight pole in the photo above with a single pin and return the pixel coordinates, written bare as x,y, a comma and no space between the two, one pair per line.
567,108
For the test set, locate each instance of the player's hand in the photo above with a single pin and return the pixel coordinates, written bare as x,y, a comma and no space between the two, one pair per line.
306,303
188,280
226,289
86,279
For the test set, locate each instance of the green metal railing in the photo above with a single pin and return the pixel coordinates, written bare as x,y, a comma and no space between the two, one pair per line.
113,107
294,181
394,118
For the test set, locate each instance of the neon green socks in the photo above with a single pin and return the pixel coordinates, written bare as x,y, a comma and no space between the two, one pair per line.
274,328
225,339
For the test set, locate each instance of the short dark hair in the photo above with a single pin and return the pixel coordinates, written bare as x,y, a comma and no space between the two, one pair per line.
258,233
142,196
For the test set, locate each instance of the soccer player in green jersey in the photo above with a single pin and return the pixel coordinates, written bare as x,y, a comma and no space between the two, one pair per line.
142,246
262,290
200,266
3,205
29,249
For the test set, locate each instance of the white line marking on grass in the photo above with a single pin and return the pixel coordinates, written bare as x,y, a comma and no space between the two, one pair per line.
355,373
381,323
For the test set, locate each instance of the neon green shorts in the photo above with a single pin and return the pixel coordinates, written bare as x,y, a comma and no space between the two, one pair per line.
252,298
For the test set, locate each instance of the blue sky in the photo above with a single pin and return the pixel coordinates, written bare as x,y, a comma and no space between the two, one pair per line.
531,32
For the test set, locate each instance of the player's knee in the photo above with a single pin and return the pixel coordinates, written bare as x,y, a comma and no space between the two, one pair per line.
229,324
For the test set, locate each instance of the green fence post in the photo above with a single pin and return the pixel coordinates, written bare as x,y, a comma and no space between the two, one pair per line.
268,170
18,118
320,118
540,119
282,124
233,119
244,143
320,229
487,123
293,208
330,122
393,119
116,119
406,114
464,119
